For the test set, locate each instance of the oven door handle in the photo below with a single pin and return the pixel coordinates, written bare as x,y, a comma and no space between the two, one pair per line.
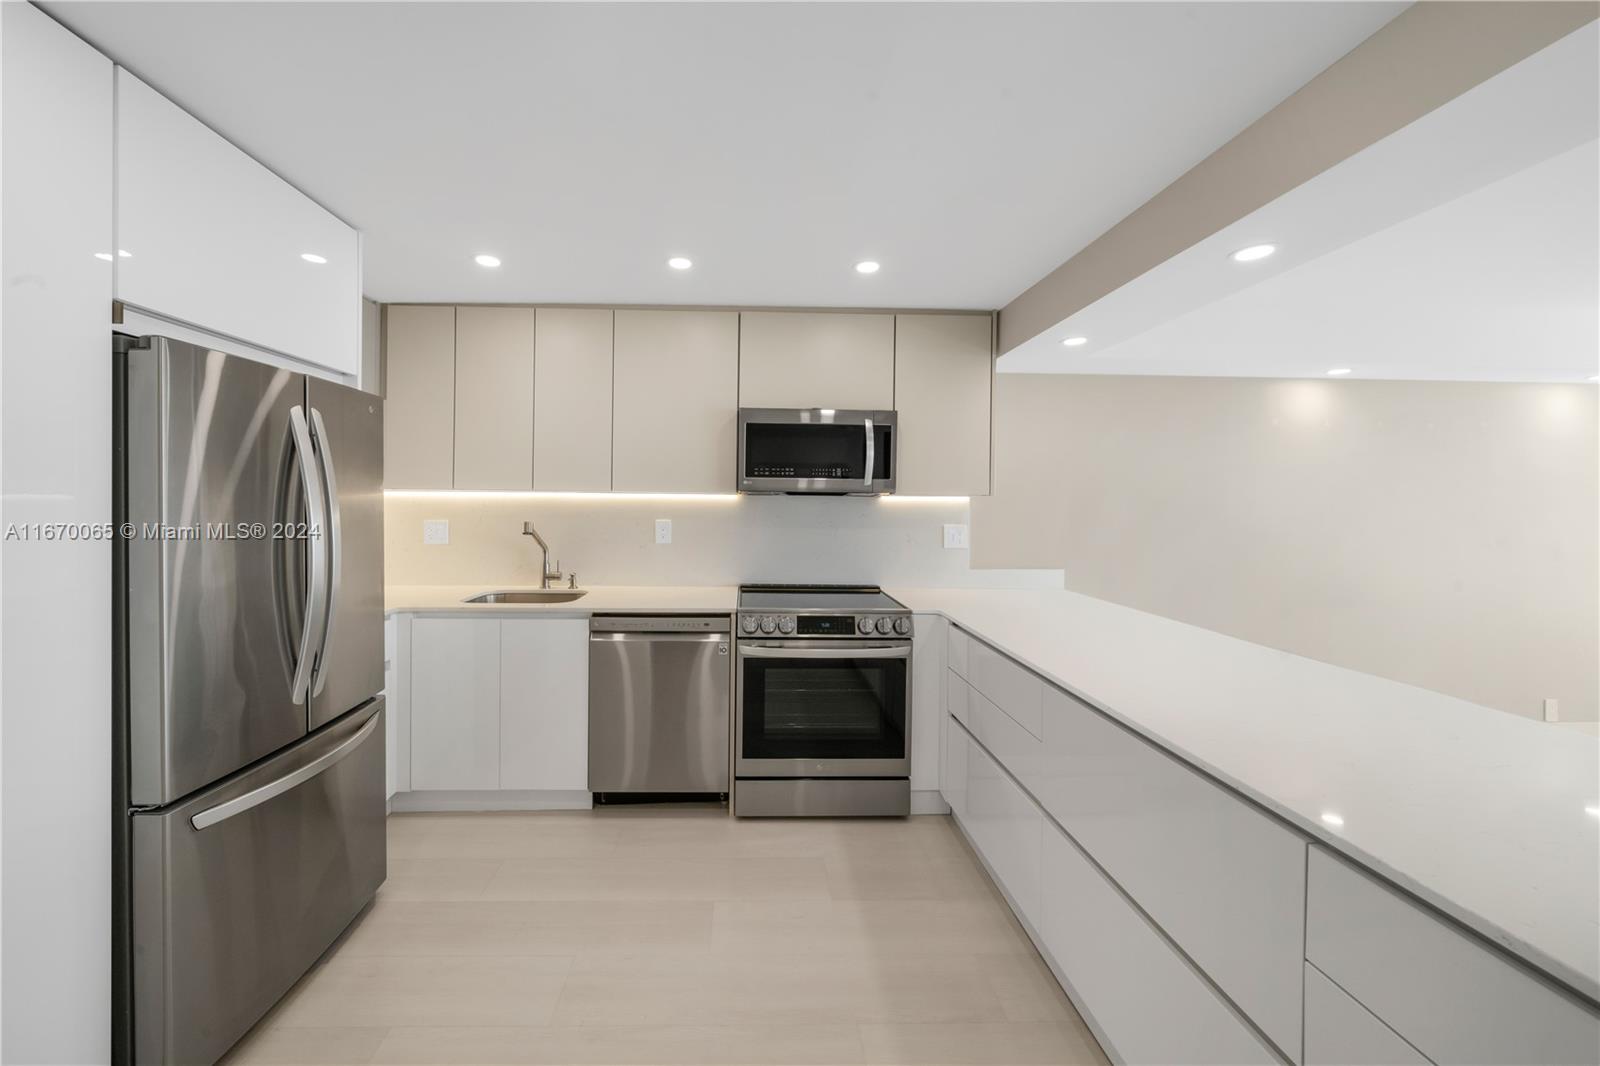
841,652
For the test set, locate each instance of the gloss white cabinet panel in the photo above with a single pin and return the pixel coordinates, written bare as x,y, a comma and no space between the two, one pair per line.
55,416
544,703
816,359
959,646
958,698
1146,1001
953,772
1018,750
1013,688
676,406
1451,997
927,698
1005,826
1341,1032
215,239
455,703
494,398
572,371
942,372
1224,880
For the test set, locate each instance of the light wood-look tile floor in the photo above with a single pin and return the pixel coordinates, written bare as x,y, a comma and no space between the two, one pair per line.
678,935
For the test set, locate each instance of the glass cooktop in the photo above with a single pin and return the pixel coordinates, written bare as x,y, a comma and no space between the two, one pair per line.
816,597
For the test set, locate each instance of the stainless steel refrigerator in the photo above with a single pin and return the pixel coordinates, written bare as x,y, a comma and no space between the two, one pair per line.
248,823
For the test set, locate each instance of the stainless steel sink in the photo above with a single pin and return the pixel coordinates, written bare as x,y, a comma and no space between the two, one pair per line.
528,596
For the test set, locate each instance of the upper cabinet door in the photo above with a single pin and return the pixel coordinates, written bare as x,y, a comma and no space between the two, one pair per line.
494,398
419,402
816,359
572,400
211,238
675,416
942,375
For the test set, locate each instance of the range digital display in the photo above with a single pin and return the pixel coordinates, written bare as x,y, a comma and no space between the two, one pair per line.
826,625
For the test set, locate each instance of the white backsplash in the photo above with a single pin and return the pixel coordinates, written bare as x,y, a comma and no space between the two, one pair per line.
611,540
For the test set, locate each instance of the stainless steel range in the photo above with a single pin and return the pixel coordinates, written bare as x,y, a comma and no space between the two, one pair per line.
823,702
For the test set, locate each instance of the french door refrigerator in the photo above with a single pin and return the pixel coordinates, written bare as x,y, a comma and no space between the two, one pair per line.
248,828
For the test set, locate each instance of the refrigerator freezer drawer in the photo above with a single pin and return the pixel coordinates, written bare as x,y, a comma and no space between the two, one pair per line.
238,889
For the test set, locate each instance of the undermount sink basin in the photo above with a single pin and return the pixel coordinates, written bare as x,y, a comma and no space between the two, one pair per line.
528,596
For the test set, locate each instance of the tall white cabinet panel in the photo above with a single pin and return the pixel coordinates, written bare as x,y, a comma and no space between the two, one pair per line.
1341,1032
1005,825
942,372
455,703
494,398
216,240
816,359
927,698
676,403
1224,880
55,387
572,377
1147,1002
953,771
544,703
419,404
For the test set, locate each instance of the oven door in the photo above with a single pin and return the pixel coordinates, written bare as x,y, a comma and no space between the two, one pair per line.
823,708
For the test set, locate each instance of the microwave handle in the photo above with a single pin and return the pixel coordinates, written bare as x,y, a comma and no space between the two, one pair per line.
871,445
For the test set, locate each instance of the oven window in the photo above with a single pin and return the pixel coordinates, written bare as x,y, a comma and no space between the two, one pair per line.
835,708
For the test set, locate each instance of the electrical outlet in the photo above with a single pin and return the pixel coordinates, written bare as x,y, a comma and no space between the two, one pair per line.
436,531
1552,712
663,531
955,536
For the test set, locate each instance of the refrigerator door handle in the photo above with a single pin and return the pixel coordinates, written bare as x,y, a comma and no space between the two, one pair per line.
256,797
335,540
316,554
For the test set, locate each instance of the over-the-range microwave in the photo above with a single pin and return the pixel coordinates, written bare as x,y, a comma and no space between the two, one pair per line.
816,451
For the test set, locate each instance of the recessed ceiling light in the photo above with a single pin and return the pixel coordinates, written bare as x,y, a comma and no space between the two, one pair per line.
679,262
486,260
1252,253
1332,819
866,266
313,257
103,255
1075,342
1338,372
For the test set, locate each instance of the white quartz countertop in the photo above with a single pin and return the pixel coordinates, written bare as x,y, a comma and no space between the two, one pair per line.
600,599
1489,817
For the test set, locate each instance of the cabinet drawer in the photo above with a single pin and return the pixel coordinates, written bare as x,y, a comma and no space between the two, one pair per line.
956,650
1454,999
1016,749
1223,880
1149,1004
1005,826
1341,1032
958,698
1013,689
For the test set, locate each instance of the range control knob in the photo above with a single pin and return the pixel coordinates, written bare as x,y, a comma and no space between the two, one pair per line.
748,623
786,625
902,626
864,624
769,624
885,623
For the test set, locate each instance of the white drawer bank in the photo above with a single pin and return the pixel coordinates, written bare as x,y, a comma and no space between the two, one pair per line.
1178,914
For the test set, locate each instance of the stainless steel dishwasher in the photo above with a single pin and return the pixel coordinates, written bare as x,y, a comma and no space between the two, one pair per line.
659,703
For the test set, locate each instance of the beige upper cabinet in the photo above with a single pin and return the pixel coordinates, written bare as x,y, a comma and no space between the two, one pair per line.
572,400
943,371
676,403
494,398
816,359
419,397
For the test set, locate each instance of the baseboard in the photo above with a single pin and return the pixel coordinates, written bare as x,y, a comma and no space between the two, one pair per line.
928,801
507,800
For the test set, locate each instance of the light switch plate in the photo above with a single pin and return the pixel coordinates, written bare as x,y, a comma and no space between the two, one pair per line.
955,536
663,531
436,531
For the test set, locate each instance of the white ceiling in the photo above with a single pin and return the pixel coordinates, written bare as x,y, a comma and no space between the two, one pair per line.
1463,247
968,147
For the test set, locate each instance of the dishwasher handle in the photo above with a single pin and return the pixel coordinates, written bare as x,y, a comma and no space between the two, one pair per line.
659,638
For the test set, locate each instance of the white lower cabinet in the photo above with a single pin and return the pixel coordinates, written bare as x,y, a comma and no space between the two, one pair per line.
1005,826
455,703
1147,1002
1341,1032
953,769
544,703
927,699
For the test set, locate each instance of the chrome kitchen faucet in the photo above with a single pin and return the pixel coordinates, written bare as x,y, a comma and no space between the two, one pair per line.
546,574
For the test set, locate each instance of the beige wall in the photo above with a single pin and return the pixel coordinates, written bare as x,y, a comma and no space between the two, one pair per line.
1441,534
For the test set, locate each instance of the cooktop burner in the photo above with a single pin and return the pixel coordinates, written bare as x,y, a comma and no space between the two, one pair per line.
816,597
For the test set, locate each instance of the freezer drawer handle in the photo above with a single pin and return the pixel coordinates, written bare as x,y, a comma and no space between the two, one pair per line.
316,606
256,797
335,542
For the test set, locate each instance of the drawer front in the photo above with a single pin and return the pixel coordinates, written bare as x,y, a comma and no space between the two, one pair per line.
1012,688
1341,1032
1454,999
1005,825
956,648
1149,1004
1012,746
958,698
1225,881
